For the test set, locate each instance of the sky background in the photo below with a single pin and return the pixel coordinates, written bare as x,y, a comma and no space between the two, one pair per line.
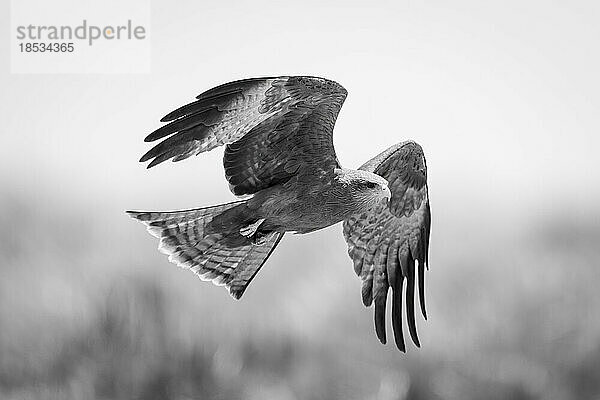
503,98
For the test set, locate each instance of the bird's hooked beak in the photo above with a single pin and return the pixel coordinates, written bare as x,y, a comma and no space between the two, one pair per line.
387,194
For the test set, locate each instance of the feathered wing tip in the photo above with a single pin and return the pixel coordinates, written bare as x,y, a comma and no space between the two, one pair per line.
398,264
224,258
406,272
210,121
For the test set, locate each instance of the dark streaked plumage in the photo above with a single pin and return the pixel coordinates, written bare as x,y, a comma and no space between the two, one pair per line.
278,134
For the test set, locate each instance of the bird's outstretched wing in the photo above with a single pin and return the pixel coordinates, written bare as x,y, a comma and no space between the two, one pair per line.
274,129
386,241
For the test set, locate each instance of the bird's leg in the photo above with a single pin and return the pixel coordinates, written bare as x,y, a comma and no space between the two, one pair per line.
260,238
251,231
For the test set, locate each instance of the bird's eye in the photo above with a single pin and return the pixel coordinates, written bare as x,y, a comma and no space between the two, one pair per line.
371,185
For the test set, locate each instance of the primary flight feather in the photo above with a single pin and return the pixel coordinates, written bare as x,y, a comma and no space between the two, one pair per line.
278,134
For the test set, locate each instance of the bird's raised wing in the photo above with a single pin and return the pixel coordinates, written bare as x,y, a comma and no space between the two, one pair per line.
274,128
385,241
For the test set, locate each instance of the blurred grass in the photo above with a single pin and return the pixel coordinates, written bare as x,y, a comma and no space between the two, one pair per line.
88,311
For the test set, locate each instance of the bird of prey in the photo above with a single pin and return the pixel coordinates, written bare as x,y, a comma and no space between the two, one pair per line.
278,137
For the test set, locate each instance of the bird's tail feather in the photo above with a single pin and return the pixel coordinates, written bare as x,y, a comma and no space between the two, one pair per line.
208,241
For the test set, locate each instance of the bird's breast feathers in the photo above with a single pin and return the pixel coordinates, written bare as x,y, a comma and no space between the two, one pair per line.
301,206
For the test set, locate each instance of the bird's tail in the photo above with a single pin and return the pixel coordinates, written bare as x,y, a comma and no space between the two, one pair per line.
217,243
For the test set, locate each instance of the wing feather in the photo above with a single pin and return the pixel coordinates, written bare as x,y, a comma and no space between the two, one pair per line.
380,290
397,313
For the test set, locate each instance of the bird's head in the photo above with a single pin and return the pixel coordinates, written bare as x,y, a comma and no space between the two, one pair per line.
361,189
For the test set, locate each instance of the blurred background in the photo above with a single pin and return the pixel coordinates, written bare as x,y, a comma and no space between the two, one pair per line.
503,98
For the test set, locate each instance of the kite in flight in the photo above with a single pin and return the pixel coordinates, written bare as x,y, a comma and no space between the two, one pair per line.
278,137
